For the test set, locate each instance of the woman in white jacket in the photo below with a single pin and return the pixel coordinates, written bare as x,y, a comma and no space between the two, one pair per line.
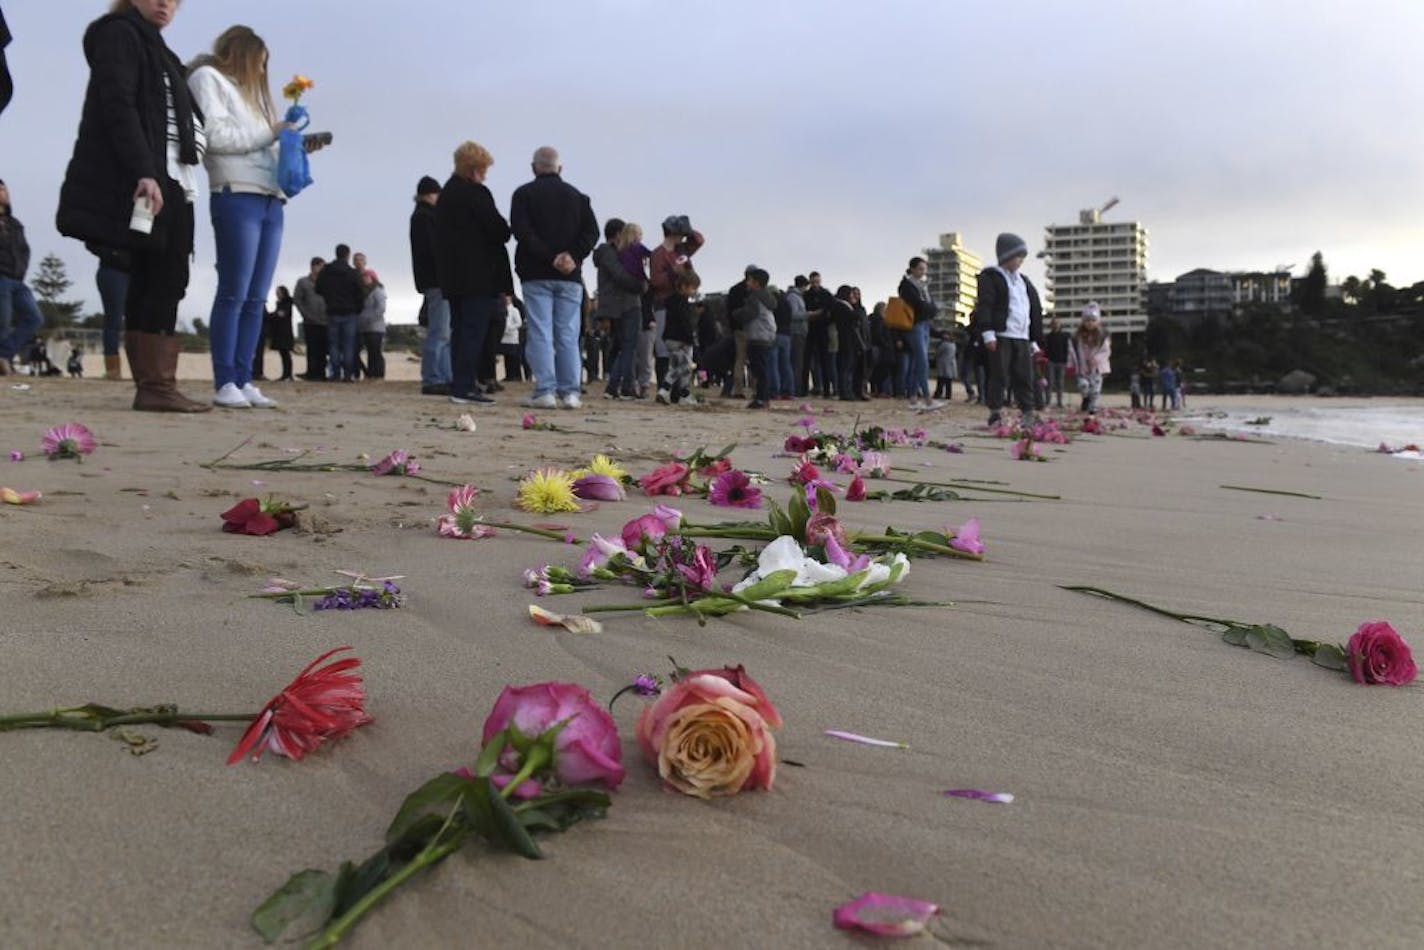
1091,352
230,86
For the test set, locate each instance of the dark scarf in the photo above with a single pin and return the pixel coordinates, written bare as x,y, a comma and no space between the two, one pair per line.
177,83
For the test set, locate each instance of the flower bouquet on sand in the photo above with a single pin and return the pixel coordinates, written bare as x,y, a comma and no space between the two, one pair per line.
548,757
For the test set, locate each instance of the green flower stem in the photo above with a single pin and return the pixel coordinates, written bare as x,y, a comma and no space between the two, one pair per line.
916,543
529,529
739,533
1185,618
433,853
1274,491
621,608
974,486
82,719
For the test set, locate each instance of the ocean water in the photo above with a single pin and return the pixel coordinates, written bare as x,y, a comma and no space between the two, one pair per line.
1364,426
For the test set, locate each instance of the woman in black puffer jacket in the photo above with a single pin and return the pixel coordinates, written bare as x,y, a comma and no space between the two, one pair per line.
140,141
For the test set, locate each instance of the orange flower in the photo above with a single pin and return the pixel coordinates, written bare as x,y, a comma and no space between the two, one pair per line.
294,89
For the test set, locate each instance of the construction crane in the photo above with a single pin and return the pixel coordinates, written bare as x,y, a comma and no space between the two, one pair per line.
1095,215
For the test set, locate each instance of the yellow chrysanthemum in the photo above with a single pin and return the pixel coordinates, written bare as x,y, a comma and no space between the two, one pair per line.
602,465
547,490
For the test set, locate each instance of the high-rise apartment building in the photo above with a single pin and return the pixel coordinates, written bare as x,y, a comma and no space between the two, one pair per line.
953,278
1095,260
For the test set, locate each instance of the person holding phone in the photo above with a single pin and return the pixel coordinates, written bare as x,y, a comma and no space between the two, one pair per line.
132,180
230,86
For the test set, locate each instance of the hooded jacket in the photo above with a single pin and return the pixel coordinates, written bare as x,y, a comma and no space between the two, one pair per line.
618,290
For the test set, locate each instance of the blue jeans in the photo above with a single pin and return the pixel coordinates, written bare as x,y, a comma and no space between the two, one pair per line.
552,349
621,380
915,361
341,346
247,235
16,301
435,354
113,290
784,379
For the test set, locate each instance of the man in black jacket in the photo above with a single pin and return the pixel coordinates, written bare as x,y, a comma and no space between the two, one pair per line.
19,317
1011,321
554,224
340,286
435,354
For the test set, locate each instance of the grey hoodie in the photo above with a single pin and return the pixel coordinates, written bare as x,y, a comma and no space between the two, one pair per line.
618,290
757,318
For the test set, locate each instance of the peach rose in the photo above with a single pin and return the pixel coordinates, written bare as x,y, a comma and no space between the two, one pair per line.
710,734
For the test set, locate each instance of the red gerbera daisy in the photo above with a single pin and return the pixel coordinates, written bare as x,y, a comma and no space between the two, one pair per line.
318,705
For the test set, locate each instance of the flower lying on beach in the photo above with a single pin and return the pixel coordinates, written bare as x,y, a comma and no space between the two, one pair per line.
12,497
598,488
603,465
710,734
1377,654
1024,450
855,491
586,750
360,597
461,520
398,462
466,423
885,915
804,473
734,489
648,528
251,516
16,455
823,526
669,479
321,704
978,794
574,623
548,745
69,441
547,490
966,537
799,444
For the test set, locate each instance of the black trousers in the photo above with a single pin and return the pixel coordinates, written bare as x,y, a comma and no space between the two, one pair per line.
317,345
158,276
373,344
1011,374
759,362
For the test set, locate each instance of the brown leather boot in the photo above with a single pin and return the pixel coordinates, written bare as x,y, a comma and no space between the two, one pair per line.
113,367
153,357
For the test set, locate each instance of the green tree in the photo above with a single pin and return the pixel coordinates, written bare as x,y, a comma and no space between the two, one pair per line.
1312,289
50,284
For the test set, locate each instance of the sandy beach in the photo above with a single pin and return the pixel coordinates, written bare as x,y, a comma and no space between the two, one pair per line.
1172,790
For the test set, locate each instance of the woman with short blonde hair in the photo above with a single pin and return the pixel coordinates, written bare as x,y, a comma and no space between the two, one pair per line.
472,159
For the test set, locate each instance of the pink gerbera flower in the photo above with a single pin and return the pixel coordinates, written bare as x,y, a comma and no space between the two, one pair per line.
68,441
734,489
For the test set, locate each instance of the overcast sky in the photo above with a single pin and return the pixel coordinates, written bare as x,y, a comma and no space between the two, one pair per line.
799,135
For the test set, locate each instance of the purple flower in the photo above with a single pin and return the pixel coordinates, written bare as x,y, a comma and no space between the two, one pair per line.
966,538
360,598
806,422
16,455
734,489
702,571
598,488
978,794
648,684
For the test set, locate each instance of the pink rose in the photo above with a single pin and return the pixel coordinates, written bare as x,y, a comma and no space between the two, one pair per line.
1377,654
643,529
587,751
670,479
822,526
716,468
710,734
799,444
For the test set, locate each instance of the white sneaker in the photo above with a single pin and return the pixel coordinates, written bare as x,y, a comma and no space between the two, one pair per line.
935,404
230,397
254,397
546,401
571,401
663,396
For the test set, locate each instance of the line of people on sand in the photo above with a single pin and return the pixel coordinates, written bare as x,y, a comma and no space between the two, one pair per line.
149,122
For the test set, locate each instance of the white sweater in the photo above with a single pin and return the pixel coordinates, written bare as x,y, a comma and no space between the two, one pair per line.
242,147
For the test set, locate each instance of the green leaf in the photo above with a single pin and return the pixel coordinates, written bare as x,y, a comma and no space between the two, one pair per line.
490,752
354,883
1236,636
1331,657
825,501
769,586
561,810
507,829
302,905
299,605
1271,640
777,519
799,513
436,797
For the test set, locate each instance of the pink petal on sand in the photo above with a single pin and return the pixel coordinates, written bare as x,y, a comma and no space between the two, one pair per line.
979,795
885,915
865,740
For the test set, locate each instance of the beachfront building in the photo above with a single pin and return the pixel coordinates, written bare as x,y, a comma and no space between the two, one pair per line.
953,278
1096,260
1267,287
1202,291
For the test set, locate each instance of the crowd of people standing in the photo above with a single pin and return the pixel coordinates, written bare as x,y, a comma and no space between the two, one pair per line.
149,122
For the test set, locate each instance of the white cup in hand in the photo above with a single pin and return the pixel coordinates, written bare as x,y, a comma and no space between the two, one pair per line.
142,218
